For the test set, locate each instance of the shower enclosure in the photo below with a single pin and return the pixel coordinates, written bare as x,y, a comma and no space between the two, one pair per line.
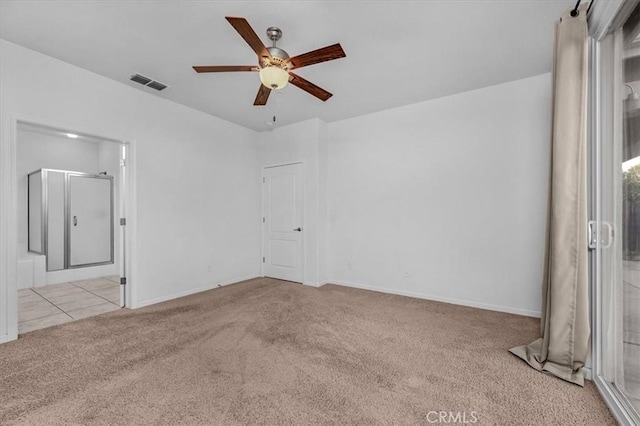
70,218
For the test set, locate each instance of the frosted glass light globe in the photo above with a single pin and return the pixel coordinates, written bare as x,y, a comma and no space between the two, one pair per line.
274,77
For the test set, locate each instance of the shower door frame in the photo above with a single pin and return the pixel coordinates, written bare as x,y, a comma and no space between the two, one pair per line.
43,209
44,216
67,218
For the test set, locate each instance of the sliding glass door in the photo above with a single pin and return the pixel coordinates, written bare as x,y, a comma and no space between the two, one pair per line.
629,225
616,229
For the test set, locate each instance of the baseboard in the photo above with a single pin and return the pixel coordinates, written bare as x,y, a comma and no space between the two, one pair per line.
9,337
588,374
313,284
462,302
195,290
454,301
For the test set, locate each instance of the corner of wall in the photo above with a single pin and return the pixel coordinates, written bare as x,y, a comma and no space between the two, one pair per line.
323,207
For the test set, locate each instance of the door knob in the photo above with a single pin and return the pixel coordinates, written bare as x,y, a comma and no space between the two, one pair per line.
298,229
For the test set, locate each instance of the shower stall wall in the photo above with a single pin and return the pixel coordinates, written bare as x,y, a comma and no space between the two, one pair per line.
70,218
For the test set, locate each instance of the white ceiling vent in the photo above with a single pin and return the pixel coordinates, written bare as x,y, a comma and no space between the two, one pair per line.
146,81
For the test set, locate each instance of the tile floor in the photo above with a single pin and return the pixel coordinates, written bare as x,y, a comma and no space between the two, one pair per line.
56,304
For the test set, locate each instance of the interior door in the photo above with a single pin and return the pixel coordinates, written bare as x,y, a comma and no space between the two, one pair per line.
90,220
283,232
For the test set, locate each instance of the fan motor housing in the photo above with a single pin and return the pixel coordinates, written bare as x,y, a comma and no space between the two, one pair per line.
278,58
276,52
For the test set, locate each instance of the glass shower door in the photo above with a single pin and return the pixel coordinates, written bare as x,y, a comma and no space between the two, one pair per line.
90,220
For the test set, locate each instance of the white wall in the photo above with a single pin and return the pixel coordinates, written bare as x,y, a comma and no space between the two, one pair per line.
445,199
197,177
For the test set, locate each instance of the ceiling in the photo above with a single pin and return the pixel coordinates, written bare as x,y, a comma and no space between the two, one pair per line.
398,52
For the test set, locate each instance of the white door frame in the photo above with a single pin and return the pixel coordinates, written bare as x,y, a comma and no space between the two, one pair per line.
304,218
9,223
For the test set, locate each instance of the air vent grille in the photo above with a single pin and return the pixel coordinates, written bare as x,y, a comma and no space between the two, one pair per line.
140,79
157,85
146,81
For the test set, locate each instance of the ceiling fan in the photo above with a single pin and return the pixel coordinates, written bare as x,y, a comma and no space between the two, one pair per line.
274,64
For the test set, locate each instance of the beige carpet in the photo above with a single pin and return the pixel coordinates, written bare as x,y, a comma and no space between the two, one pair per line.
271,352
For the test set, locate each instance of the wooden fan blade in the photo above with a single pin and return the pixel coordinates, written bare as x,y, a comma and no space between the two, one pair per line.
246,32
225,68
309,87
328,53
262,96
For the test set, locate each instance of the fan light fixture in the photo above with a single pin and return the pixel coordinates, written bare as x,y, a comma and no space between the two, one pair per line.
274,77
275,65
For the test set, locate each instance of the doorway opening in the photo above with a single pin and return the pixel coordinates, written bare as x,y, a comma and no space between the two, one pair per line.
70,242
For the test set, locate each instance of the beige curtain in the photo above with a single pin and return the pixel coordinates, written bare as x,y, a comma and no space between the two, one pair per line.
562,349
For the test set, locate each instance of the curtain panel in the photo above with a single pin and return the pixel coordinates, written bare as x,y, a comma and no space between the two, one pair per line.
562,350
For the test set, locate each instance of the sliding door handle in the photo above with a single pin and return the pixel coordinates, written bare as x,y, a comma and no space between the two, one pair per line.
75,221
602,239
